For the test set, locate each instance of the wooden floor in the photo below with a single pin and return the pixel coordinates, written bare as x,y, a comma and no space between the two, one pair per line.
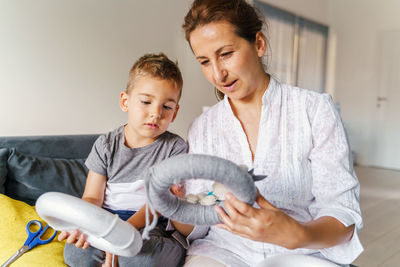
380,205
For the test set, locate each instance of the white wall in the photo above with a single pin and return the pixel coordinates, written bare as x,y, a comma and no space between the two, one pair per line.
63,63
357,24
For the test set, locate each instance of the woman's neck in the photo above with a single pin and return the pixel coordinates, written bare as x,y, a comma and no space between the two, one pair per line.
253,102
248,112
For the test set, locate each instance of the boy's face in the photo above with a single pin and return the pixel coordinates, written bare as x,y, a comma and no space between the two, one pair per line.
152,104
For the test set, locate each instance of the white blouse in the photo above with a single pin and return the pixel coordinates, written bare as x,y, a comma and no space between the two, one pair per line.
303,149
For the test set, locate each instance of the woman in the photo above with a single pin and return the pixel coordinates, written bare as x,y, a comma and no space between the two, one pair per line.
309,203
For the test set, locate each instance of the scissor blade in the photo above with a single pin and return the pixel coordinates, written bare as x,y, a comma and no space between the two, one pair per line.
17,254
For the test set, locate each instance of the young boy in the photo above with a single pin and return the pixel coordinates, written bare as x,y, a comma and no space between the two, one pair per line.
118,158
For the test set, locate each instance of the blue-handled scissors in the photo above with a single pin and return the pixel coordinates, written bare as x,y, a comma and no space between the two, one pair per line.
34,239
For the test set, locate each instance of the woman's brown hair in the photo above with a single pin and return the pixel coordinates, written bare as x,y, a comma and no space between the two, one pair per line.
246,20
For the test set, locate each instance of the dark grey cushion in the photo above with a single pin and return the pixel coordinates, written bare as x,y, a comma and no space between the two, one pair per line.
28,177
3,168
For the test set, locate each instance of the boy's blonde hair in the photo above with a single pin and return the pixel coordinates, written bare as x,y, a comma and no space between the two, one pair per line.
156,66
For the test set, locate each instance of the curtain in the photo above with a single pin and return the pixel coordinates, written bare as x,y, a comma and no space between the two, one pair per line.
312,55
280,32
298,47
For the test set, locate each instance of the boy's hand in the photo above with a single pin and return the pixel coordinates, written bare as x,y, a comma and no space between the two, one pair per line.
75,237
108,260
178,190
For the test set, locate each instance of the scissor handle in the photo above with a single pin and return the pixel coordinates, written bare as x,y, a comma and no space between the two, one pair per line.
32,235
35,237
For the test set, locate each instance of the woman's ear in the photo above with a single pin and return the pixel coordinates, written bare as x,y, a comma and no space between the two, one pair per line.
261,44
123,101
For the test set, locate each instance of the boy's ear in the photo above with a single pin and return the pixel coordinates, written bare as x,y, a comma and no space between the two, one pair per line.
175,113
123,101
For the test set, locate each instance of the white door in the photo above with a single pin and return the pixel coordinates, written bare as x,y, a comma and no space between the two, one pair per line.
386,129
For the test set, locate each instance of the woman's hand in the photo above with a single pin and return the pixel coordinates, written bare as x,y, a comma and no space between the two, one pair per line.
75,237
265,224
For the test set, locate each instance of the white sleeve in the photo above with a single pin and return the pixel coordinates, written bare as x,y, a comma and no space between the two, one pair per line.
196,142
335,186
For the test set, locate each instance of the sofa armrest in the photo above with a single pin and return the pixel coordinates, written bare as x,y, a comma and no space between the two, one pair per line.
33,165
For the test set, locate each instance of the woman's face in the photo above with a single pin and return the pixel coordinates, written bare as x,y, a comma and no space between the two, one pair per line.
229,62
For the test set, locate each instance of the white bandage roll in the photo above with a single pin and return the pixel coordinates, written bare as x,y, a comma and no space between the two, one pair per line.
104,230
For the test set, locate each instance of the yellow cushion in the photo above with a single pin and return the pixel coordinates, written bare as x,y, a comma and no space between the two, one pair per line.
13,219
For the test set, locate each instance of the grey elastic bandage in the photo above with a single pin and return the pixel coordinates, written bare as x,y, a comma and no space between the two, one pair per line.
160,177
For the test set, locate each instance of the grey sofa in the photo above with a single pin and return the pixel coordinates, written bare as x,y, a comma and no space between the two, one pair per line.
33,165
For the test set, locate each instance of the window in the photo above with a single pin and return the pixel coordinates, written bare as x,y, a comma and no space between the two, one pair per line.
298,48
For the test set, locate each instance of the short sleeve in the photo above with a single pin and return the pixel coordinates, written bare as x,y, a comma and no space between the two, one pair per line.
179,147
97,159
335,188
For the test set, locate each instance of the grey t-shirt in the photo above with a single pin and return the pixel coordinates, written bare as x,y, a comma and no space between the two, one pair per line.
122,165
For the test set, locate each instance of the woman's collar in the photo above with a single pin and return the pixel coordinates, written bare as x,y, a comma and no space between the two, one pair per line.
266,98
